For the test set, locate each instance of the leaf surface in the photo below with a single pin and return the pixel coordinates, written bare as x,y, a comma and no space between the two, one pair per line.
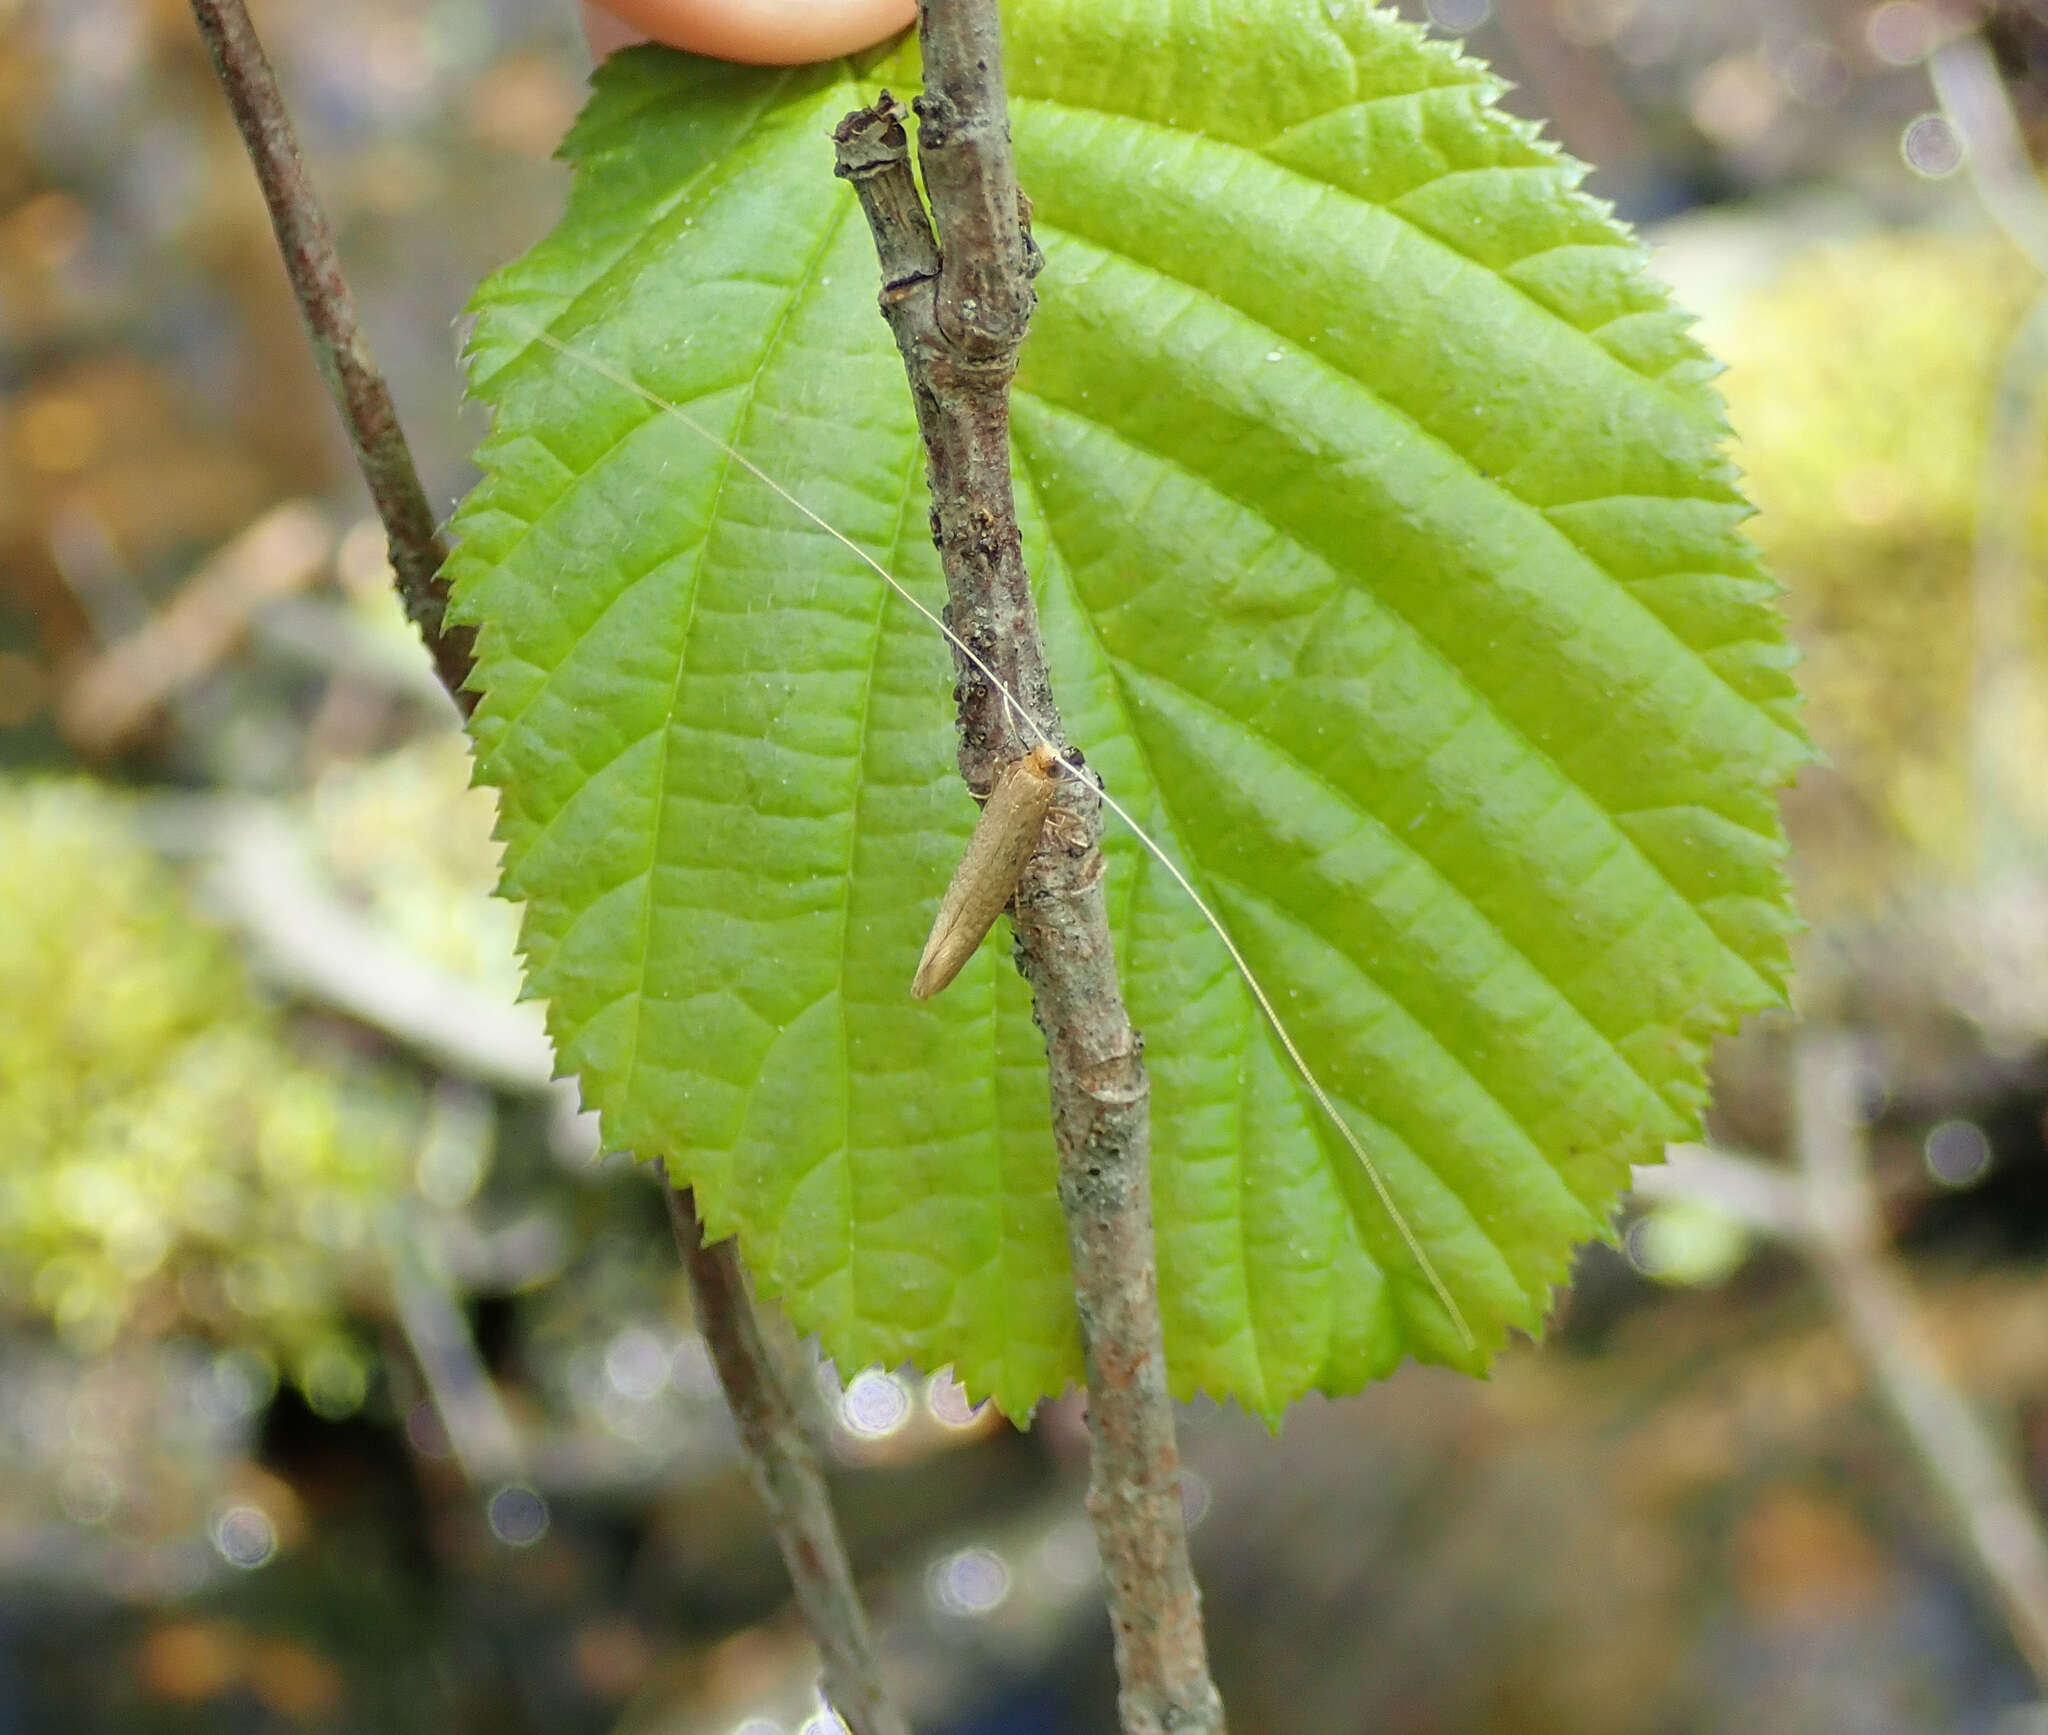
1390,568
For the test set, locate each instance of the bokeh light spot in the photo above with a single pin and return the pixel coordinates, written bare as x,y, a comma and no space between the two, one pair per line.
89,1492
1459,16
426,1431
335,1382
1816,74
875,1406
1736,100
1958,1153
636,1363
1900,32
244,1536
1067,1555
946,1398
1931,147
1685,1243
237,1384
969,1581
518,1516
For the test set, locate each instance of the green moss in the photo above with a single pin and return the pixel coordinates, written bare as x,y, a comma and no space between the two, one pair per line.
172,1162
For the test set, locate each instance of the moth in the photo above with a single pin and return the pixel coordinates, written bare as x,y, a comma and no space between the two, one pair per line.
986,879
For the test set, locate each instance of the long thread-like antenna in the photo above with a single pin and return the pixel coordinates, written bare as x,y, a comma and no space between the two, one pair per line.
1265,1002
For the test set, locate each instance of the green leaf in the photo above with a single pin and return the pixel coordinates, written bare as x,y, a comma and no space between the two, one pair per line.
1391,571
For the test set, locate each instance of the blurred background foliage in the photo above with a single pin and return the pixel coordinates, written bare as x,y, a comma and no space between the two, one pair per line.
172,1164
344,1387
1862,382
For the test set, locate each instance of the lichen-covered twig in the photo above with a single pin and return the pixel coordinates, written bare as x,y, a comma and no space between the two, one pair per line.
784,1467
958,301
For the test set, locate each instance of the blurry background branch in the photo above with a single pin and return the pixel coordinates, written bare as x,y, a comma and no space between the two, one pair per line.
1828,1210
263,878
279,555
1973,97
1990,1507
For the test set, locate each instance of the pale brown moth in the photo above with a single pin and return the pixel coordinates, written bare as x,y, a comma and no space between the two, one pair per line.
987,876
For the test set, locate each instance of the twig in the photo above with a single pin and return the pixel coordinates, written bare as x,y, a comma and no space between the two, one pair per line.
958,303
787,1474
1956,1450
306,244
797,1504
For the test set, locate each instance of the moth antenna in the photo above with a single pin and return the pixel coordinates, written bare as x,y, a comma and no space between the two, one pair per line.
1409,1239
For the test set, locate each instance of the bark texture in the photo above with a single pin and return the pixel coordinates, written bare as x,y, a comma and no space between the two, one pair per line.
956,291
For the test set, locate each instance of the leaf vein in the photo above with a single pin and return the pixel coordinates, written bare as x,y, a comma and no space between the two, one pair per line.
827,235
1450,668
1440,875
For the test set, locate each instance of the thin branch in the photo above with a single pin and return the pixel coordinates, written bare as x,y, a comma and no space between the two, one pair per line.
958,303
784,1466
1829,1211
787,1474
1957,1453
306,244
2003,576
